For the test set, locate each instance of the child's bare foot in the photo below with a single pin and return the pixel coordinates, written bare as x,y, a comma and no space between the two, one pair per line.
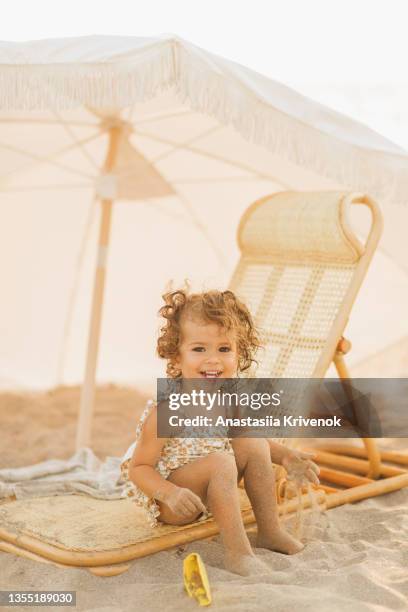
245,565
280,541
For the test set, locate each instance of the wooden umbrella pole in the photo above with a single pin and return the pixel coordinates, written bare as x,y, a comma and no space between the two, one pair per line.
88,387
373,453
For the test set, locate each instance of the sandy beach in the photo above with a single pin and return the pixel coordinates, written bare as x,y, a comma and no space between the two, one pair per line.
355,559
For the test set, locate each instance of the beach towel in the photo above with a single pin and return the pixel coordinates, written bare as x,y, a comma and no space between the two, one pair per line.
82,473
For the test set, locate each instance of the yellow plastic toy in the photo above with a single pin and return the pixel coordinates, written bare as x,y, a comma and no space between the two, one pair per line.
196,579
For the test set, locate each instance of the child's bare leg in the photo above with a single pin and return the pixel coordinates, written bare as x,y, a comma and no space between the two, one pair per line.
254,463
223,500
214,479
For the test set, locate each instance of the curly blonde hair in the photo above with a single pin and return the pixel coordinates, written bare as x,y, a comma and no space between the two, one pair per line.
220,307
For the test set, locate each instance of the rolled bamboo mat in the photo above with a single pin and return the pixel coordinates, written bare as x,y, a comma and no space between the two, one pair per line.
350,463
14,534
378,487
106,563
357,451
342,478
104,571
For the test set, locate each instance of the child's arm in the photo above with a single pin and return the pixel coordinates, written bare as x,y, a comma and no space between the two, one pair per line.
298,464
142,472
278,451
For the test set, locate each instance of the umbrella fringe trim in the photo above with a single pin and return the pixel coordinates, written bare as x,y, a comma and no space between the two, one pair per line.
67,86
214,92
231,103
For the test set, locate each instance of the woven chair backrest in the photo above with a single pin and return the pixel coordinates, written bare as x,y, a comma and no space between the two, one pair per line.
300,270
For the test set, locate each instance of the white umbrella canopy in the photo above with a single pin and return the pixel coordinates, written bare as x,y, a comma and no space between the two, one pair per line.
182,141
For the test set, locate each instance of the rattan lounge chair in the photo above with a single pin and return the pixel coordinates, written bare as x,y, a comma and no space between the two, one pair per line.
300,270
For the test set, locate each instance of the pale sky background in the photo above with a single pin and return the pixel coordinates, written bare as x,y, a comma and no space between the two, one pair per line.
349,54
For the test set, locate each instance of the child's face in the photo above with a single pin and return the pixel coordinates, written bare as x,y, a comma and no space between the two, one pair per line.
206,351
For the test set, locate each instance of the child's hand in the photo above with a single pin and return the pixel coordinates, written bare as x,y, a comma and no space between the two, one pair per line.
300,468
184,501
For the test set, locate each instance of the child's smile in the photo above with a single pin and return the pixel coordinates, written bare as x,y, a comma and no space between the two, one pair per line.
206,351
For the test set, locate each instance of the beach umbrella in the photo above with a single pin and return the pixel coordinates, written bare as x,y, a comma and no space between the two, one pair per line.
179,142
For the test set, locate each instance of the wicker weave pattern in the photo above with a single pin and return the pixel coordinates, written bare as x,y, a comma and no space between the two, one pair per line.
294,309
295,272
103,525
293,226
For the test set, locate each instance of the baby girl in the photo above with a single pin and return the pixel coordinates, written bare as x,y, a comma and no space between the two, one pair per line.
211,335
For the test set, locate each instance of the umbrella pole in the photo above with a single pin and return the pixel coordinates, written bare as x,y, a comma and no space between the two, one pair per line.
88,387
